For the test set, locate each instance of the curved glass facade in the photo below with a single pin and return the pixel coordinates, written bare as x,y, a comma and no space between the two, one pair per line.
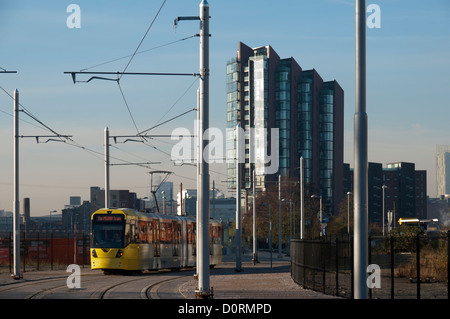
283,114
305,123
326,149
233,116
274,93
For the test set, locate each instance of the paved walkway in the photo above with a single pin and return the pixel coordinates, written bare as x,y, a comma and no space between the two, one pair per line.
258,281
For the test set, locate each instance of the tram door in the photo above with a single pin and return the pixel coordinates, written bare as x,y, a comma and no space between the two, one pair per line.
175,237
157,249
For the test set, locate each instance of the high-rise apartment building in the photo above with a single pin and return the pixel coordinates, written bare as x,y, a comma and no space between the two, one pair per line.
442,170
267,92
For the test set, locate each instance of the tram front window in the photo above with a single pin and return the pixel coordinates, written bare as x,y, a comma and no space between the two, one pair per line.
108,232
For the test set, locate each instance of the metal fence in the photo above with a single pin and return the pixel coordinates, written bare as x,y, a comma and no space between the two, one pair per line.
418,268
46,251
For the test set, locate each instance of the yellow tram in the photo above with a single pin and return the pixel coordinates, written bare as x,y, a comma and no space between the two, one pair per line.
128,240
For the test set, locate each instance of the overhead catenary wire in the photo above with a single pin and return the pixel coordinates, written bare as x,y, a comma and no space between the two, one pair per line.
143,38
68,141
32,116
100,155
128,107
140,52
173,105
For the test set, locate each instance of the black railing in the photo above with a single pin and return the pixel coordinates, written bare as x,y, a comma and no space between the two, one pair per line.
416,269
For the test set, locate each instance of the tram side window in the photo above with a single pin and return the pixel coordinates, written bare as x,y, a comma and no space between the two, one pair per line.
176,226
166,233
192,234
215,234
143,232
131,232
146,232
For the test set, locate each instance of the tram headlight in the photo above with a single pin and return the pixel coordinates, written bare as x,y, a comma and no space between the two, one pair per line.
94,253
119,254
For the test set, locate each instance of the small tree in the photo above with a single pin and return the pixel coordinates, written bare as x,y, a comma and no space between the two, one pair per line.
405,237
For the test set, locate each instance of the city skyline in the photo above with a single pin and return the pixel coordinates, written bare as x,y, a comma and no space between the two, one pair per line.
407,62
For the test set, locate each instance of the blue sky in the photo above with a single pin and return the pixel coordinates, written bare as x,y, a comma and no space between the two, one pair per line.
408,62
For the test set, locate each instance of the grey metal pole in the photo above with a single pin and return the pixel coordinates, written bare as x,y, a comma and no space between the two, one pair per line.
293,216
320,216
383,188
279,216
302,217
197,215
203,290
16,205
214,200
238,200
360,260
107,190
164,202
270,236
291,222
255,258
348,212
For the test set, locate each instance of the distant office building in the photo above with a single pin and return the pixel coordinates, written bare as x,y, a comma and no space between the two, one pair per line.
164,196
97,199
77,218
119,199
167,188
400,179
6,221
266,92
375,190
405,193
26,210
442,170
75,201
187,202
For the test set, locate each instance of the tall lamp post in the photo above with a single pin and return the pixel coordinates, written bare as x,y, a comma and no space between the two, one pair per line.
320,211
270,234
279,216
360,199
383,188
348,212
203,290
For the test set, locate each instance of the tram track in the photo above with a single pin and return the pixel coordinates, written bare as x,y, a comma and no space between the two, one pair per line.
105,292
26,290
151,291
154,285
